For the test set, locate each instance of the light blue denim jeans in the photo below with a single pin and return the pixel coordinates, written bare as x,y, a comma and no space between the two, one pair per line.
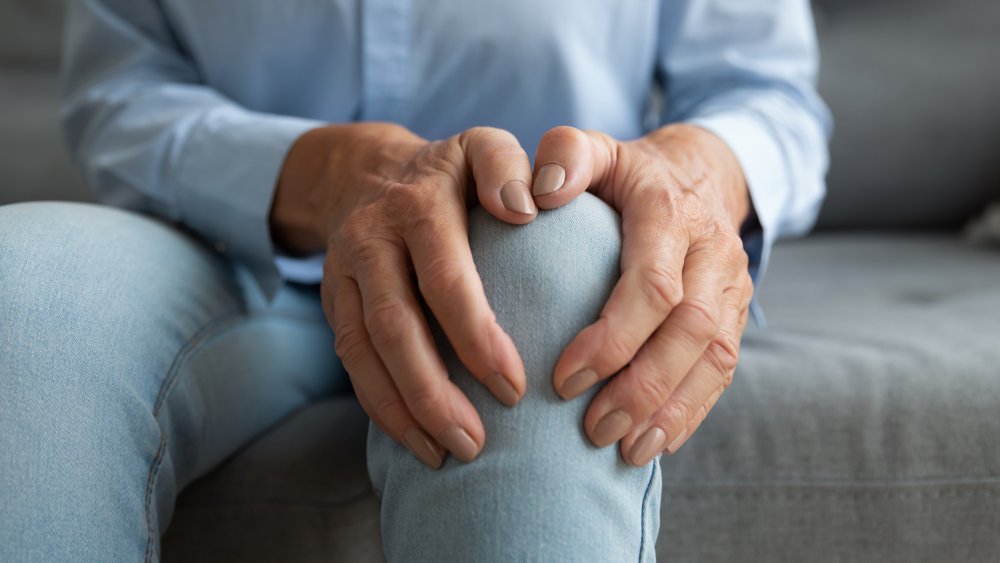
133,360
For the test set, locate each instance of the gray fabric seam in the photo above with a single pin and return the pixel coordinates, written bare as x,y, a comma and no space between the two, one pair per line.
939,492
845,482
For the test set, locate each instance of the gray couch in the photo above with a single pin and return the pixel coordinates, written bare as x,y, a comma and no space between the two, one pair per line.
863,423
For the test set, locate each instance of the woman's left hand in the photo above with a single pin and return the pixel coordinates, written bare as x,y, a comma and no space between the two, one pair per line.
669,335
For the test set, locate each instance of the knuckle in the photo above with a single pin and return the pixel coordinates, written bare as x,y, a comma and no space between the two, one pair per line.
397,193
563,134
667,202
425,226
349,342
497,155
403,200
441,279
741,258
367,255
652,389
385,320
390,410
699,319
723,355
732,245
475,134
727,378
677,412
661,286
424,402
618,349
748,289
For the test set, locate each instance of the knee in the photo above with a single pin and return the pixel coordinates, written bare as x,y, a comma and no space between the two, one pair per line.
537,479
561,266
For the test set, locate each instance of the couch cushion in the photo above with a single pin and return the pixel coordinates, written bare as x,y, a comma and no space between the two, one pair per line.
33,157
913,89
861,426
298,493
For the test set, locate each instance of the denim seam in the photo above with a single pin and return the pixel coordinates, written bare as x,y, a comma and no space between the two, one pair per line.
210,330
645,508
229,317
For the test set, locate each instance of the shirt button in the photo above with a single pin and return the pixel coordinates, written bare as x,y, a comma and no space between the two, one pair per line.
220,247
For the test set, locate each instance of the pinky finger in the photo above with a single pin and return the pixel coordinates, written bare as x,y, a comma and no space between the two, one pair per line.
695,422
372,383
686,408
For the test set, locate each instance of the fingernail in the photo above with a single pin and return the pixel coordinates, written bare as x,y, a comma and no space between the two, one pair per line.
550,178
421,445
515,197
611,428
501,389
459,443
647,446
577,383
677,441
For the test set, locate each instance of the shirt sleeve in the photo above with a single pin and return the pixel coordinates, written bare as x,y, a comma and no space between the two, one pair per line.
151,136
746,70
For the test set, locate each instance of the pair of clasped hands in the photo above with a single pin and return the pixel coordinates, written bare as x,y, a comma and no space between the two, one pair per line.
384,204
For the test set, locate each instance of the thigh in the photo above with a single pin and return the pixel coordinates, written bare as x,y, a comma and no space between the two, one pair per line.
133,360
539,490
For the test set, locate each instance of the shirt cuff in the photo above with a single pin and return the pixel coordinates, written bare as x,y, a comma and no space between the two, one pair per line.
763,166
227,175
307,270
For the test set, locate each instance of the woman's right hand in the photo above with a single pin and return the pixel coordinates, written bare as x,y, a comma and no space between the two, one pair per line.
385,204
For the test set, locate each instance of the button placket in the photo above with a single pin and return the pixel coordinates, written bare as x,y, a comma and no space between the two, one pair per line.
386,69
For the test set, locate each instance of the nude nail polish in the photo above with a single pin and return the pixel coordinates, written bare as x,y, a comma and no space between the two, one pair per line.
515,197
501,389
423,447
647,446
551,177
611,428
459,443
577,383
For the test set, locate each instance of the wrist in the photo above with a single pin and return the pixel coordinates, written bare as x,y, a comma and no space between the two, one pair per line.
711,165
320,175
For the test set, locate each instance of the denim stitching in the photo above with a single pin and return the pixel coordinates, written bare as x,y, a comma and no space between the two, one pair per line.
210,330
226,319
154,471
645,507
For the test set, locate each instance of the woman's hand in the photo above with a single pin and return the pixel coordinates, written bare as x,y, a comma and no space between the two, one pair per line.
385,205
670,332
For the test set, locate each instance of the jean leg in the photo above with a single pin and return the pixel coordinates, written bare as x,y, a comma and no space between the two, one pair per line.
132,360
539,491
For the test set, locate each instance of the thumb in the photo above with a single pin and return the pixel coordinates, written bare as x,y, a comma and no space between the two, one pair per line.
568,162
502,173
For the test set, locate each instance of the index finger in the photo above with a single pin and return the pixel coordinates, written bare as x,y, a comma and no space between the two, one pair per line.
452,288
654,248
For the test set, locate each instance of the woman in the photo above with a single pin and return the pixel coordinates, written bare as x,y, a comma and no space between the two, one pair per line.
283,132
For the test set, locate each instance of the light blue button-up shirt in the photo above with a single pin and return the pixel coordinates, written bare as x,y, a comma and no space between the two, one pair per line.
186,108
